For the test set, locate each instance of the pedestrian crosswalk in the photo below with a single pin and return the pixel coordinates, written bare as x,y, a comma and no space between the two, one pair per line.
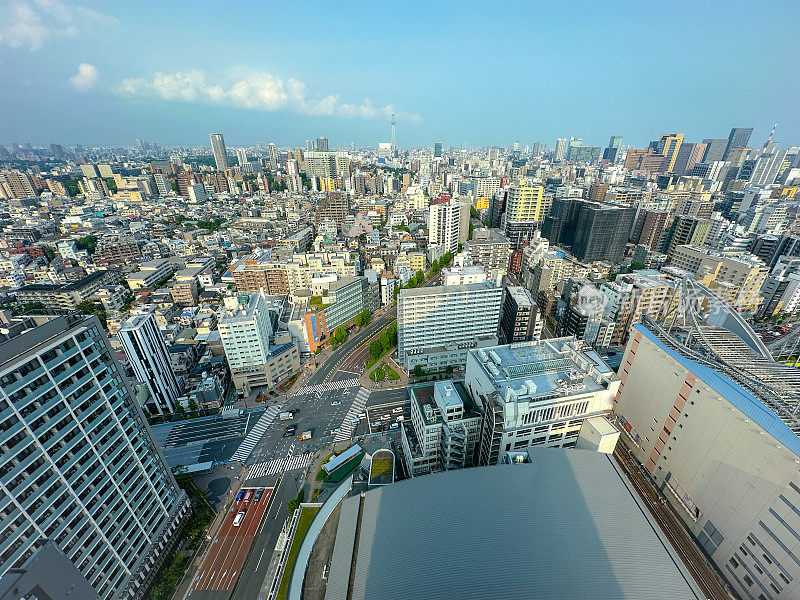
321,388
252,438
346,429
278,465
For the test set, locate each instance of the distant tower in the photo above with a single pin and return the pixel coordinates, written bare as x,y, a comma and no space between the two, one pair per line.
394,139
219,151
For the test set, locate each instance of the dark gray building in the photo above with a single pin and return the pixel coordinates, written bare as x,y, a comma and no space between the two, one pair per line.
738,138
519,316
594,231
715,150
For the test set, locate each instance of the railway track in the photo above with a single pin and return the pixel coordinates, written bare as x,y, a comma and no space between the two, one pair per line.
703,574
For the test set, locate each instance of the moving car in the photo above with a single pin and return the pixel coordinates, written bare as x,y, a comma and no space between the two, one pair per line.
394,426
237,520
336,403
385,417
375,424
399,409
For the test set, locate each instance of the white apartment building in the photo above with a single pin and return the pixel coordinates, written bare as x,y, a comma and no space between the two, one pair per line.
437,326
149,273
257,355
448,224
144,346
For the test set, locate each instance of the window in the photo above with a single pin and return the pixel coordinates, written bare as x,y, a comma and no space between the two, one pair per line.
766,558
747,580
734,562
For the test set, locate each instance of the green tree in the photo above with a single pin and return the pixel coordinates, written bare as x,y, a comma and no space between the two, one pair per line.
366,316
417,370
637,266
471,229
111,184
87,243
88,307
49,253
386,341
193,405
420,277
359,321
375,349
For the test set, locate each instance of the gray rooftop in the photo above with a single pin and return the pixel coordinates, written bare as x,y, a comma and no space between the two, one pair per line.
565,526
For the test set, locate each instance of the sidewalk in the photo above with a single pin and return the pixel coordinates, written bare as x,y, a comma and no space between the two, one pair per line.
389,361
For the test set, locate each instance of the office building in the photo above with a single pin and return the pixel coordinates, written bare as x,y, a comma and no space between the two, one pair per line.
715,150
241,156
668,146
594,230
519,316
78,464
648,227
448,224
436,326
687,230
219,151
714,424
688,156
444,430
197,193
738,138
613,152
437,149
144,346
258,354
334,206
537,393
557,508
322,144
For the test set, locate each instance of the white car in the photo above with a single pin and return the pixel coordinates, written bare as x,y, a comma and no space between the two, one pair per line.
237,520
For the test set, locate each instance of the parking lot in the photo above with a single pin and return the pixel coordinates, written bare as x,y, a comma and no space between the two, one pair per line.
200,440
384,409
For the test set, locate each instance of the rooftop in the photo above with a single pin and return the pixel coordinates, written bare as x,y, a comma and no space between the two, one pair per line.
543,369
566,508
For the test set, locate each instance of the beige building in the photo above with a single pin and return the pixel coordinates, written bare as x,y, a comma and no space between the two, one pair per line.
736,277
727,464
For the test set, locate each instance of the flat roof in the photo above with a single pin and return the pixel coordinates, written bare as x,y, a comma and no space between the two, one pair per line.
566,525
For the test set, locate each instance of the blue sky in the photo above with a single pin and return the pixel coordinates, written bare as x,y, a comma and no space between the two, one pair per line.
488,73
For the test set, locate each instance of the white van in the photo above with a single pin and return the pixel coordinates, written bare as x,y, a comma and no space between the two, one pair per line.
237,520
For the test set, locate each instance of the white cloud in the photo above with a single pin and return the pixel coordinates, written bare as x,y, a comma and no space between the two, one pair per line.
254,90
85,78
29,23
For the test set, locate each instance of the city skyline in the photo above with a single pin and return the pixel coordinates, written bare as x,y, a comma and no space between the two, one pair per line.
588,73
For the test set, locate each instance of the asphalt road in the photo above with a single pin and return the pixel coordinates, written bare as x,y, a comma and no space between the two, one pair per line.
224,561
254,571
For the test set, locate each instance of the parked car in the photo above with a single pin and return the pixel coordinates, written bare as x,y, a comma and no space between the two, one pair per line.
399,409
258,494
394,426
385,417
239,496
376,424
247,495
336,402
237,520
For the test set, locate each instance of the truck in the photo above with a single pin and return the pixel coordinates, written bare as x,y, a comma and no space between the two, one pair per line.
232,413
285,416
306,435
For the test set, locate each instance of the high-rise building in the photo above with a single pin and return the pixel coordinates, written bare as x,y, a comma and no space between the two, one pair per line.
437,149
219,151
524,202
594,230
519,316
197,193
241,156
322,144
738,138
447,222
688,156
16,184
78,463
144,346
560,153
715,150
273,156
614,150
685,230
257,354
648,227
668,146
436,326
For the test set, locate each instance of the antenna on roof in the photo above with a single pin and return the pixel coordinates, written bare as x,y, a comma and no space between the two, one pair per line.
769,139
